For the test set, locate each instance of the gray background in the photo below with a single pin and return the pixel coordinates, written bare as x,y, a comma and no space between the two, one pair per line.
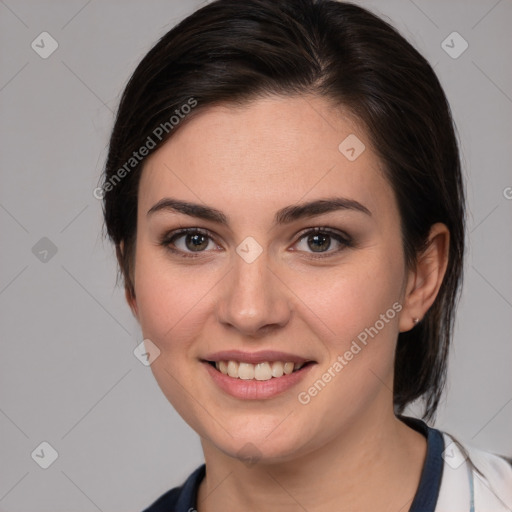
68,375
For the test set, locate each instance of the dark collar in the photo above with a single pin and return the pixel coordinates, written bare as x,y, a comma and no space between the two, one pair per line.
426,496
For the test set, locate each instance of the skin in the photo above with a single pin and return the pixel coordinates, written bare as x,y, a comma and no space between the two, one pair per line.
344,450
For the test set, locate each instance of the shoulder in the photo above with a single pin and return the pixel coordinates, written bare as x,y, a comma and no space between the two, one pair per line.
475,477
181,498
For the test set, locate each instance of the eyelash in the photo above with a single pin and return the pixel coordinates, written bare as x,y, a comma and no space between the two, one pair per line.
171,237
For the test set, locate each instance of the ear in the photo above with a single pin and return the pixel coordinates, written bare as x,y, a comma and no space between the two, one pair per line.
128,293
425,279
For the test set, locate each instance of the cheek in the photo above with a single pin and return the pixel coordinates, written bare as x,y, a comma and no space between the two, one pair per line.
350,297
355,311
172,309
171,299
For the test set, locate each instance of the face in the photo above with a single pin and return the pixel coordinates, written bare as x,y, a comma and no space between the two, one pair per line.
292,254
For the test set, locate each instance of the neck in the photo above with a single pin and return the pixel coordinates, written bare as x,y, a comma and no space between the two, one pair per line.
374,464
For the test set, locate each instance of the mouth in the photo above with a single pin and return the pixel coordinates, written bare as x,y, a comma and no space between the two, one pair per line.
265,370
256,375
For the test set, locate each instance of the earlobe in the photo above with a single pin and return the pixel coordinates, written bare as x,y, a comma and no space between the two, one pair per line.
426,278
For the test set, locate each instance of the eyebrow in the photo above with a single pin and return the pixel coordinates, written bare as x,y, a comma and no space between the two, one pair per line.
284,216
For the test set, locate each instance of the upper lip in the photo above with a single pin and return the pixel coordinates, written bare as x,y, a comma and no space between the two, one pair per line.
254,357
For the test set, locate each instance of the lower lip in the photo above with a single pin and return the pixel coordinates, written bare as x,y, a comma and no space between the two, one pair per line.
256,389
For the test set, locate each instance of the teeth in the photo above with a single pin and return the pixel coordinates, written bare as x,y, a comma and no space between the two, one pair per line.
246,371
260,371
288,368
277,369
233,369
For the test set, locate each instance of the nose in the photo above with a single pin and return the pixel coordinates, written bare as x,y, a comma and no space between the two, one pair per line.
253,299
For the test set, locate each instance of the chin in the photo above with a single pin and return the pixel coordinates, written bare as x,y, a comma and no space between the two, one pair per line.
251,444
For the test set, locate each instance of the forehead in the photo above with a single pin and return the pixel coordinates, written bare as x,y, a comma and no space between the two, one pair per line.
264,154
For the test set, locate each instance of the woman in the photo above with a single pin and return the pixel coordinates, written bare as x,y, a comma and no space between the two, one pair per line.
284,192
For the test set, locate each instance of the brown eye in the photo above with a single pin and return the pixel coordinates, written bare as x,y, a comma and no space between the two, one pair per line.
196,242
320,240
188,241
319,243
